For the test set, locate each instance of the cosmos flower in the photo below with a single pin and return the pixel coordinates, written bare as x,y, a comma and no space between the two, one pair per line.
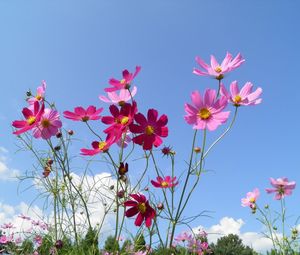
166,182
282,187
98,147
32,118
149,130
40,94
121,98
245,96
206,112
140,206
48,124
81,114
250,198
124,83
217,70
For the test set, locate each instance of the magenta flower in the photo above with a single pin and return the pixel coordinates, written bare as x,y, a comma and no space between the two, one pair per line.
120,119
123,83
48,125
245,96
206,112
32,118
166,182
218,70
98,147
121,98
40,94
250,198
140,206
80,114
282,187
150,130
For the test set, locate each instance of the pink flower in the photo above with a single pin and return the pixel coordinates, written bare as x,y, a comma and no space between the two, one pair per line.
150,130
140,206
121,98
22,216
123,83
251,198
7,225
120,119
218,70
38,240
5,239
124,140
40,94
166,182
80,114
32,118
48,124
98,147
245,96
206,112
282,187
184,236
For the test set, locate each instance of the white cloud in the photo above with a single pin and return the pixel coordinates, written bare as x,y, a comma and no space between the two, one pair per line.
229,225
6,173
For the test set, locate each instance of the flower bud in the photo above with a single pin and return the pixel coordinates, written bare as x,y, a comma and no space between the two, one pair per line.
59,244
111,187
58,134
28,93
146,188
121,194
197,149
57,148
160,206
266,206
70,132
49,161
123,169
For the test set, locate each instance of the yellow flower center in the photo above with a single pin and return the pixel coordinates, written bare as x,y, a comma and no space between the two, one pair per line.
142,208
164,184
252,200
85,118
31,120
218,69
149,130
122,81
102,145
124,120
204,114
38,97
237,99
45,123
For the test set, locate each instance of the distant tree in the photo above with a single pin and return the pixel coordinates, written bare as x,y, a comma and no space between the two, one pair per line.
140,243
111,244
231,245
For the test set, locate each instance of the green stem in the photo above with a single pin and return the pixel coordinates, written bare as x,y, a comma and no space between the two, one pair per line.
223,134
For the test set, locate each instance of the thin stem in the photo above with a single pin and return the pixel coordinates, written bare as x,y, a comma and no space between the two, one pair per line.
223,134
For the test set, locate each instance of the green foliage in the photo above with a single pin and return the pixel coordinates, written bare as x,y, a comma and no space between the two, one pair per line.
139,242
231,245
90,242
111,244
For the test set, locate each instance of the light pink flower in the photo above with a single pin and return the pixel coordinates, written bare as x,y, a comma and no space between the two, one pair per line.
38,240
40,94
245,96
6,239
121,98
123,83
184,236
282,187
48,124
206,112
124,140
166,182
7,225
32,117
80,114
250,198
218,70
22,216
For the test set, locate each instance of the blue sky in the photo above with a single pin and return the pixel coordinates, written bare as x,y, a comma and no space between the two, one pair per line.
77,46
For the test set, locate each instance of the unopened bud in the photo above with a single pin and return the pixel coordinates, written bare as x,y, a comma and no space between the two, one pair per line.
50,161
70,132
197,149
28,93
57,148
59,244
58,134
121,194
160,206
146,188
111,187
